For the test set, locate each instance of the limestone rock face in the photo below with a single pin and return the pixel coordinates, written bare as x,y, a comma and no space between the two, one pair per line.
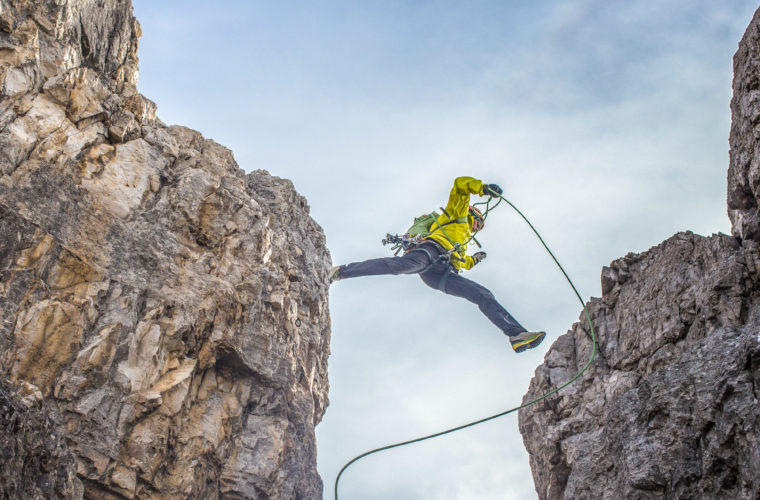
34,460
169,311
671,406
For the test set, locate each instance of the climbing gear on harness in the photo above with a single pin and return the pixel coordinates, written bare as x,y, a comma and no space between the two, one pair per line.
403,243
431,255
442,257
526,340
412,245
512,410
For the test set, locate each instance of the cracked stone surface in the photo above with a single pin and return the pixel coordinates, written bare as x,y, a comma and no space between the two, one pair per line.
169,311
34,459
744,166
670,407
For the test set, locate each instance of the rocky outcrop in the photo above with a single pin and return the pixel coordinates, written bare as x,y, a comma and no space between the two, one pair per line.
671,406
34,460
167,309
744,166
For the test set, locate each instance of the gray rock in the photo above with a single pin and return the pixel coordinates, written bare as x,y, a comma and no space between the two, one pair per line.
669,409
744,166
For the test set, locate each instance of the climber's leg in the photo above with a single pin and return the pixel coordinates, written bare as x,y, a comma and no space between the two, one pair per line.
411,263
441,278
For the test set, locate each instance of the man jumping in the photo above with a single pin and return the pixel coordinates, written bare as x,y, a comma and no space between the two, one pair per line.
442,254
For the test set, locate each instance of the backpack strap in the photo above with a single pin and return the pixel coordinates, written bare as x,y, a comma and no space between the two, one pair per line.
458,220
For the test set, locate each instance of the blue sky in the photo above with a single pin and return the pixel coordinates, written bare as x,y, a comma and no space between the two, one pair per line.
606,122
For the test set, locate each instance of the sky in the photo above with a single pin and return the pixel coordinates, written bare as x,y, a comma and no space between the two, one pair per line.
605,121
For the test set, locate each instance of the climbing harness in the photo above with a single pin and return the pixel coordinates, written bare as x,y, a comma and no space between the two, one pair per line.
525,405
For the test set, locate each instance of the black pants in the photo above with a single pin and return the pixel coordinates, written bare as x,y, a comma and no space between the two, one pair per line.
425,260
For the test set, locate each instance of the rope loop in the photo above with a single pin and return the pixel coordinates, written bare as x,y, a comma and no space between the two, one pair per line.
525,405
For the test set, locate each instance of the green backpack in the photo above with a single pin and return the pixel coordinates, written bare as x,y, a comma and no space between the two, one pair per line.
423,225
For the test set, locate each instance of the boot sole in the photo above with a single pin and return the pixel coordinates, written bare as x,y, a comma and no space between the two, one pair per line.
529,343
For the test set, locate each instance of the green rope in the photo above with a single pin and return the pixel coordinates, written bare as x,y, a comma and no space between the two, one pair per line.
492,417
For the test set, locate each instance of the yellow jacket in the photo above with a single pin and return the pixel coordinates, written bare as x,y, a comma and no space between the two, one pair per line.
451,234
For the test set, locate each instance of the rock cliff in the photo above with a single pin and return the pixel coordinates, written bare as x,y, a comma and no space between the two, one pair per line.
164,315
671,406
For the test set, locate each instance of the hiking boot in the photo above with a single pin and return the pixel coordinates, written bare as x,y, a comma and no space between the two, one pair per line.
526,340
334,274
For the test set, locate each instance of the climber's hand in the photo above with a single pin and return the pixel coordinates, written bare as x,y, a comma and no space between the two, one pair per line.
492,190
479,256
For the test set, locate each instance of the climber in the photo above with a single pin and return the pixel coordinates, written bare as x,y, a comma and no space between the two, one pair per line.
441,255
